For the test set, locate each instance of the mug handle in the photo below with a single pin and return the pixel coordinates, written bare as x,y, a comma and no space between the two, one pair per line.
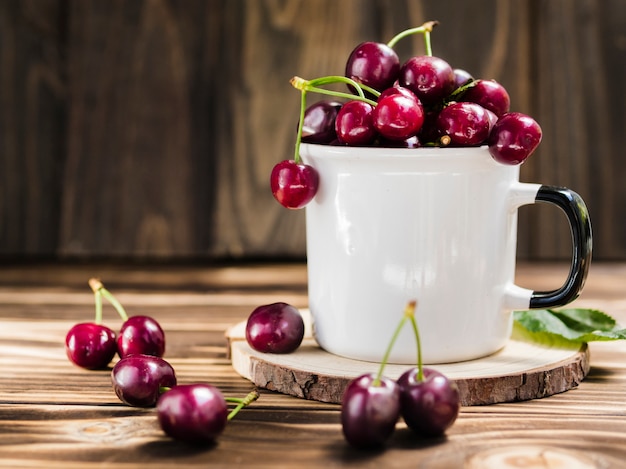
580,226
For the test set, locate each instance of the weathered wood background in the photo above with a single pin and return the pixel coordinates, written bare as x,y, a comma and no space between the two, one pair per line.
148,128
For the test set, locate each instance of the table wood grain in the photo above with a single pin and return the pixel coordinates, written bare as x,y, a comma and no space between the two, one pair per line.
55,415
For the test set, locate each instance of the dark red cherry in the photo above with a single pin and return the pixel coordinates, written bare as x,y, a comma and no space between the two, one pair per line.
354,124
193,413
319,122
514,138
461,77
373,64
398,117
369,412
397,89
90,345
489,94
275,328
141,335
139,379
430,406
467,124
294,184
430,78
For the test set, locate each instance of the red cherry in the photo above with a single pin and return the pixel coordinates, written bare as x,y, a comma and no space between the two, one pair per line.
294,184
90,345
514,138
354,124
489,94
398,117
141,335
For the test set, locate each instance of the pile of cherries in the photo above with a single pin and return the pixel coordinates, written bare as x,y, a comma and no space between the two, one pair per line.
194,413
423,102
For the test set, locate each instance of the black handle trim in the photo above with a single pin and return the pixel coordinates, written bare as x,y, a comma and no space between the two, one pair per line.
580,224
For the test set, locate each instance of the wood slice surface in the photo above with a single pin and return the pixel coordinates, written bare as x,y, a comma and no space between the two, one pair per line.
520,371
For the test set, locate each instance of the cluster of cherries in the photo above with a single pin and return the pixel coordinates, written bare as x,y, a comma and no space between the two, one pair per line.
372,404
194,413
423,102
425,398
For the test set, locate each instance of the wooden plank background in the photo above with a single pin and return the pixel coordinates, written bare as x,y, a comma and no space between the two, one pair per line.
148,128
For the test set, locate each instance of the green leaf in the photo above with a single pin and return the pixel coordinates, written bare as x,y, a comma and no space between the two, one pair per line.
566,326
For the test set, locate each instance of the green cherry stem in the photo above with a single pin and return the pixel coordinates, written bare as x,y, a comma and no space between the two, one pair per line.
296,156
424,29
410,313
98,301
97,287
241,403
385,359
315,86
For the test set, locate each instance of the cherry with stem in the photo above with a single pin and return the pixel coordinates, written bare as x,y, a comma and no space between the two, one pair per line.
429,401
139,334
370,407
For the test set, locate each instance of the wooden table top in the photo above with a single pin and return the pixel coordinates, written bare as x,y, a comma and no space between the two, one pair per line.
56,415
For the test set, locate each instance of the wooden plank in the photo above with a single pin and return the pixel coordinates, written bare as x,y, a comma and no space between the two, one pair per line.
577,101
147,129
32,125
138,175
53,414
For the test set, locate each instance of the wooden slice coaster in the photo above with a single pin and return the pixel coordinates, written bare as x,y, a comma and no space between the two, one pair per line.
520,371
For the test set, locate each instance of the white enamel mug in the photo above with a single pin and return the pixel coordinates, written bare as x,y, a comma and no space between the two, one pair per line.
435,225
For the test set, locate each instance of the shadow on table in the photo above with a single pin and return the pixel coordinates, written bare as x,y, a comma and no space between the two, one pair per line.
598,374
168,449
402,438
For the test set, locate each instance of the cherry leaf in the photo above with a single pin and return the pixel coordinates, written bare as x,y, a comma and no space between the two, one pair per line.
566,326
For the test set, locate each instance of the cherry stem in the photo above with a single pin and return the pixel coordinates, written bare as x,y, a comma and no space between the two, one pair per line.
385,359
409,312
296,156
241,403
314,85
98,301
98,288
424,29
460,90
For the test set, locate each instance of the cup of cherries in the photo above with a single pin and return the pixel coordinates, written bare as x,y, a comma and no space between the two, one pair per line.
423,102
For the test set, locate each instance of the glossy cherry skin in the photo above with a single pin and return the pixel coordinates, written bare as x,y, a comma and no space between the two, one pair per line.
431,406
467,124
489,94
398,117
514,138
90,345
275,328
193,413
374,64
319,122
461,77
397,89
137,379
293,184
369,413
354,124
141,335
430,78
